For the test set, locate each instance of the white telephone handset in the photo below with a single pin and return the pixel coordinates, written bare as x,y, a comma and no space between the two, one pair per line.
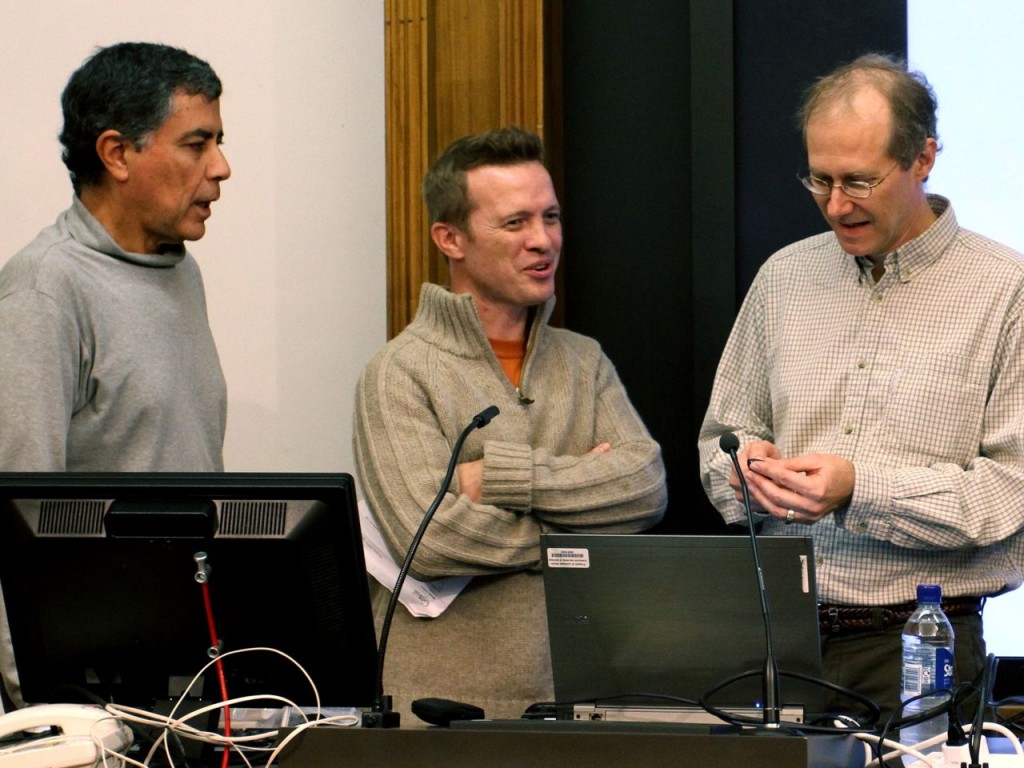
79,726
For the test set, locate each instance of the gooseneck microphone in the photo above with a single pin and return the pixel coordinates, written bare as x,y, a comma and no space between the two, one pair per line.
770,679
381,715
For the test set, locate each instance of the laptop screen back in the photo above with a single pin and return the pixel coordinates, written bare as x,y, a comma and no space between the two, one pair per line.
632,617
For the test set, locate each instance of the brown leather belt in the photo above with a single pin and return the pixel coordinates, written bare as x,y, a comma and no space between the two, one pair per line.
839,619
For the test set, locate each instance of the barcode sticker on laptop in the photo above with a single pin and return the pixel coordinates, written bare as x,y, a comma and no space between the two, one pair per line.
568,557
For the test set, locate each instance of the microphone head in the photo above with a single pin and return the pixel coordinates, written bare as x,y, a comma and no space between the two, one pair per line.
728,442
483,418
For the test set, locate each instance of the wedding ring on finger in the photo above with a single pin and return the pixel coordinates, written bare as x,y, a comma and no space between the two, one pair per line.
790,516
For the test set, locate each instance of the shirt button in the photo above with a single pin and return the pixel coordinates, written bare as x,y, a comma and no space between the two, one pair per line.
862,527
861,364
847,430
876,297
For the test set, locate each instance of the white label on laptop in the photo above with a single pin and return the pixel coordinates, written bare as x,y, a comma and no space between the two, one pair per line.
568,557
805,581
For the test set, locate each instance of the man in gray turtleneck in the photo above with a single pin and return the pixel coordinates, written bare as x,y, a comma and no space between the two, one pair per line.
108,360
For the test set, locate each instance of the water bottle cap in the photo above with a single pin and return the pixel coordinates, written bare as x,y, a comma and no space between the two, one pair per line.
929,593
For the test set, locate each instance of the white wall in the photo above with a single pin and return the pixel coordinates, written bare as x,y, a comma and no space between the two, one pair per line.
294,255
971,54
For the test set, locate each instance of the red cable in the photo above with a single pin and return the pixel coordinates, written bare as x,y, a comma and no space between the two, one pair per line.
219,666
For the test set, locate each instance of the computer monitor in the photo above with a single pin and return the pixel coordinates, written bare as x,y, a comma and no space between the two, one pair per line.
99,577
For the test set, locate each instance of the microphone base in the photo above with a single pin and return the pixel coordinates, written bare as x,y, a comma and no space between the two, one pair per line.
381,720
382,715
773,731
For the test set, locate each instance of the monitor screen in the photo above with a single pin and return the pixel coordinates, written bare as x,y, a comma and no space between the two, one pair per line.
99,576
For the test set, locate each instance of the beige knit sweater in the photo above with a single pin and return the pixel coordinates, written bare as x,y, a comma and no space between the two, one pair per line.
490,648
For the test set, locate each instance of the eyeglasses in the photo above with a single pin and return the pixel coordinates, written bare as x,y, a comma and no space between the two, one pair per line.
858,189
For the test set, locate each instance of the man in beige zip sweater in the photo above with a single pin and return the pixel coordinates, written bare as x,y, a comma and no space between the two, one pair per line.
568,452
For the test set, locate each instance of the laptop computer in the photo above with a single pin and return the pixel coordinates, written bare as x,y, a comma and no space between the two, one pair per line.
642,626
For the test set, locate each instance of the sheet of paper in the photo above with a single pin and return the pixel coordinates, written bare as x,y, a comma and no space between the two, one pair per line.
424,599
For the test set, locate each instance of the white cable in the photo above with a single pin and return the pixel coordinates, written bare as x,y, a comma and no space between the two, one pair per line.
227,743
122,759
896,749
100,743
308,724
842,722
917,750
241,744
179,725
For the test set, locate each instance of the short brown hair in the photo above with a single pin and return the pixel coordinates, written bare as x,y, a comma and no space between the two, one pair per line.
444,186
912,101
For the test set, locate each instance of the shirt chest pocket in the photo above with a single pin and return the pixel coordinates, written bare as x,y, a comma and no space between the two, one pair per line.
934,410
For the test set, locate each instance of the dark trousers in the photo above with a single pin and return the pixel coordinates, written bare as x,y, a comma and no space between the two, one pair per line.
869,663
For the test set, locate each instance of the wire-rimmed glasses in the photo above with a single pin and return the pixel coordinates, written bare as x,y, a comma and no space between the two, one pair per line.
853,188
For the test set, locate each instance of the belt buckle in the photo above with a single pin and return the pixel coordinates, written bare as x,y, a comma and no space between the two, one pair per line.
833,619
882,617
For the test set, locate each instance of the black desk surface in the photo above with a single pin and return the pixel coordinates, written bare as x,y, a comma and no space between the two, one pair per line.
554,745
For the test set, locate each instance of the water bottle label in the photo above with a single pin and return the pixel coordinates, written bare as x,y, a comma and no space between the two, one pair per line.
925,667
943,668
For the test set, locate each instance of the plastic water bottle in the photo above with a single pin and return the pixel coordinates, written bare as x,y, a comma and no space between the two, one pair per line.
927,665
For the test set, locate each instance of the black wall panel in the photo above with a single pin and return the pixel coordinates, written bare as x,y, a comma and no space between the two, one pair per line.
680,155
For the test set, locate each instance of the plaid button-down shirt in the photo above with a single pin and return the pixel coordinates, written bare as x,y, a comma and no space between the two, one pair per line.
917,379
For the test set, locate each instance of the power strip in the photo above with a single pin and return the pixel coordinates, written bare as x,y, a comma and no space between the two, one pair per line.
936,760
955,757
1004,761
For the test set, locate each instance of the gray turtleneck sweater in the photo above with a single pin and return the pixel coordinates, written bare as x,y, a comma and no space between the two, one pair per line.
490,647
107,362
